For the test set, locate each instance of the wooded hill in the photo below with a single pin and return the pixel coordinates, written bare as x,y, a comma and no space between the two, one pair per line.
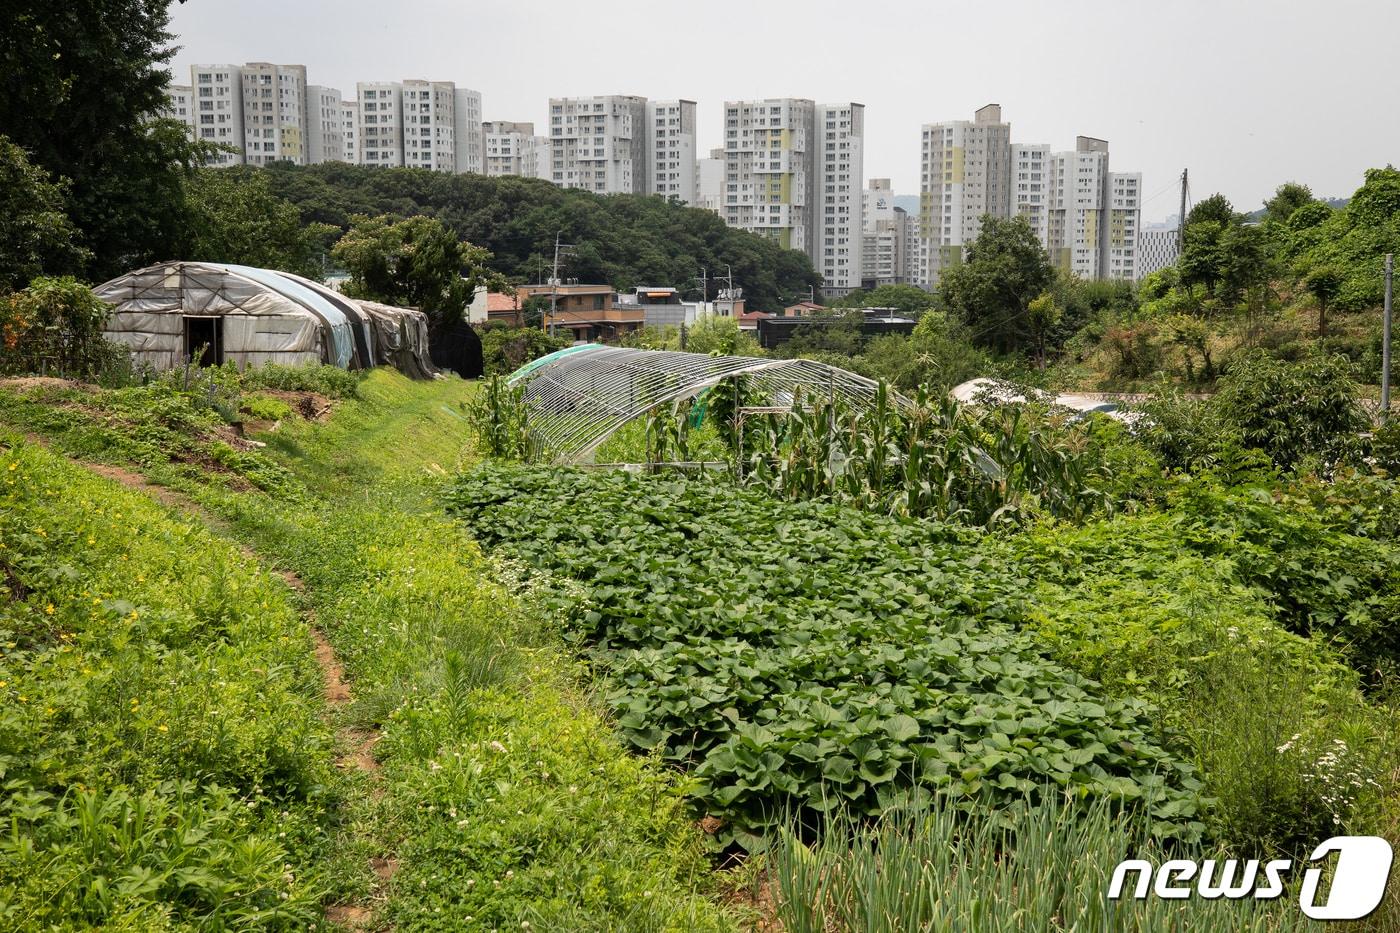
621,240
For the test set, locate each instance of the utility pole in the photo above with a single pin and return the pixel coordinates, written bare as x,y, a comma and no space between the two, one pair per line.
554,283
1385,340
1181,219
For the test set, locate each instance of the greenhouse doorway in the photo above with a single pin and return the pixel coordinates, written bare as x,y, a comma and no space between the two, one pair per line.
204,340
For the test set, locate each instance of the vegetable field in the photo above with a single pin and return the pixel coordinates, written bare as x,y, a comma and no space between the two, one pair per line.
804,657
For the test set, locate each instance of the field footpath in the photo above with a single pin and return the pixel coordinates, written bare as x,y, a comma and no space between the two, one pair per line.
356,744
503,794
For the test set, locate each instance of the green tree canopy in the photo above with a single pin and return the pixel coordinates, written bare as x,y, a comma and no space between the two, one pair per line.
505,349
80,82
234,217
619,240
35,233
992,290
1355,239
1215,209
1288,197
416,262
906,300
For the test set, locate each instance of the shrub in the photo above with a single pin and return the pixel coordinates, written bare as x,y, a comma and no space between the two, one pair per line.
54,327
505,349
1136,353
1188,434
1293,410
330,381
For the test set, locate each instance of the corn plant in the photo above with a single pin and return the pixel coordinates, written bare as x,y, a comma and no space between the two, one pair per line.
501,421
935,458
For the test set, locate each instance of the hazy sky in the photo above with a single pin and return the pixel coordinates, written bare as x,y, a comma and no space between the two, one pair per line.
1245,94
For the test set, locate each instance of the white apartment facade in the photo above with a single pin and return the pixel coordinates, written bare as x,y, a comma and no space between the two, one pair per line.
599,144
1086,216
470,155
274,113
217,109
379,132
1032,167
181,106
794,173
963,176
670,125
1124,209
709,182
427,112
882,247
349,131
325,141
512,148
840,158
1077,208
771,170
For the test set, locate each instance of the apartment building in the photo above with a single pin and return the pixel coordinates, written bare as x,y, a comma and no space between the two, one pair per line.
325,141
1085,215
181,106
428,115
471,142
964,175
709,182
882,252
840,159
599,144
514,149
1032,168
1077,207
670,125
1157,249
218,109
379,131
771,170
904,259
274,113
349,130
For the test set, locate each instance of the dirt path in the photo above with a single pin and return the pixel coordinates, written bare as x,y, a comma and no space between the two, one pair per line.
357,744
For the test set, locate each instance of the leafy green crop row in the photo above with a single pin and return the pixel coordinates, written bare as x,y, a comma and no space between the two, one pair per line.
810,655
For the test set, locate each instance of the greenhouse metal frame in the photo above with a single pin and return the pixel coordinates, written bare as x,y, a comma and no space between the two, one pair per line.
577,397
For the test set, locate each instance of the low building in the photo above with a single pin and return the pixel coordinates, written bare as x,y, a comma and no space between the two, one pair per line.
775,331
590,312
748,320
662,306
804,309
509,309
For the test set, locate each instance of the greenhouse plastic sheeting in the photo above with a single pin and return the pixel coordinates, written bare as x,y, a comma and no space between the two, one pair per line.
576,398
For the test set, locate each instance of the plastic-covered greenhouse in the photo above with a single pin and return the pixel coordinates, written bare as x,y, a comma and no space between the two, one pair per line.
175,312
577,397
